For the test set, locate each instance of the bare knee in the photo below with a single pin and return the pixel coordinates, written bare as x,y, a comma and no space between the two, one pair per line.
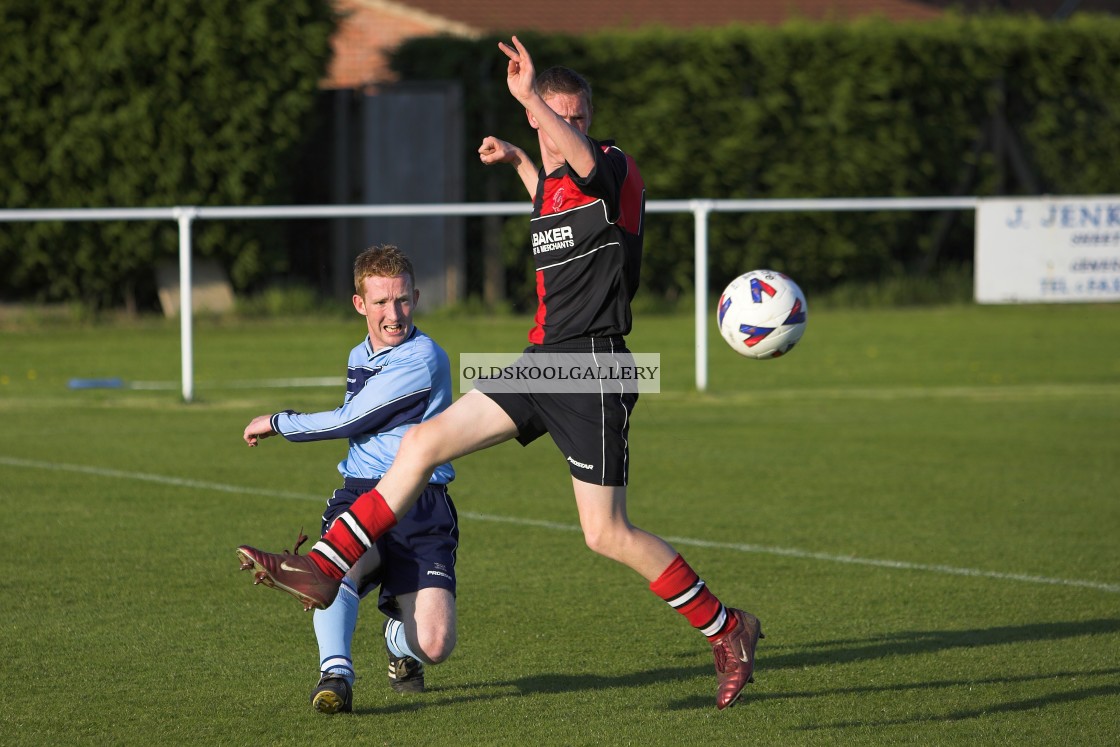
429,616
436,644
594,540
418,446
605,540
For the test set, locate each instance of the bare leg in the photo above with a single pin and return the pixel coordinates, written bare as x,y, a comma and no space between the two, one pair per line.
429,621
471,424
608,531
364,572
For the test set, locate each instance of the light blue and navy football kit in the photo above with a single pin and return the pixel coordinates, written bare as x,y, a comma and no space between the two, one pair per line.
387,392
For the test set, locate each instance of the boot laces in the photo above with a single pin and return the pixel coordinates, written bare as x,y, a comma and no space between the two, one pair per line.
722,655
299,541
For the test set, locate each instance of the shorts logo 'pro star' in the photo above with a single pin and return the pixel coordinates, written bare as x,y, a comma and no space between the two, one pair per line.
581,465
285,567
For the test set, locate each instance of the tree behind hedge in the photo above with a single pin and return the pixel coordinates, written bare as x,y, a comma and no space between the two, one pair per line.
863,109
125,103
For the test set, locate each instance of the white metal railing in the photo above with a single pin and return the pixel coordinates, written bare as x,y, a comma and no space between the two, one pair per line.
701,209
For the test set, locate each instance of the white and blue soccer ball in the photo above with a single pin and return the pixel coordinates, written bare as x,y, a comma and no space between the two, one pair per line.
762,314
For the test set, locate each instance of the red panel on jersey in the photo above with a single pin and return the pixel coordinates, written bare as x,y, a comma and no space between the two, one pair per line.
536,334
633,197
562,194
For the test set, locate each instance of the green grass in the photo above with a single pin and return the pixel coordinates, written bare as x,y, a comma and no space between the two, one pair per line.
920,505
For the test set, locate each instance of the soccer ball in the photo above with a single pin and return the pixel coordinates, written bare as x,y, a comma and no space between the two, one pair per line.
762,314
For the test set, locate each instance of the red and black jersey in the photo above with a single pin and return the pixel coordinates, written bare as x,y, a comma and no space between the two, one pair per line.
587,248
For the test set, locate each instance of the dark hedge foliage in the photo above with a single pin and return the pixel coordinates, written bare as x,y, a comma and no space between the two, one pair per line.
865,109
125,103
184,102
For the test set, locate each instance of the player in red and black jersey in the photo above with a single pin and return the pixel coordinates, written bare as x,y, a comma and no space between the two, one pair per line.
586,231
587,247
588,204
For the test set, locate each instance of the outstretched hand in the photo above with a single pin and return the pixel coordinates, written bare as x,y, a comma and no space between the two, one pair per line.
258,428
494,151
520,75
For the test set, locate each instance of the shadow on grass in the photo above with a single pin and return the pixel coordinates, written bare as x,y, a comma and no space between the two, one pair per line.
930,641
828,653
927,685
1014,706
550,684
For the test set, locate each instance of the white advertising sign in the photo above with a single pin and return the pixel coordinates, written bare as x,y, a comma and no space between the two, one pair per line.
1048,249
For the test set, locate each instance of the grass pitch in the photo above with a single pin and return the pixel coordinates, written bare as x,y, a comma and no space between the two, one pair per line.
920,505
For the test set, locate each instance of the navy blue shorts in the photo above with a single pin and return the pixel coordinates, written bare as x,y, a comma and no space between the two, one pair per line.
417,553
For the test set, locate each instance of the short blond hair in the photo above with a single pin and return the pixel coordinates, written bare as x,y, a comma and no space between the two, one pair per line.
385,261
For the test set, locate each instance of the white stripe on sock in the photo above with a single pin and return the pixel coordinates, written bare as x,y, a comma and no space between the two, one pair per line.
686,597
356,528
396,640
337,663
331,555
714,628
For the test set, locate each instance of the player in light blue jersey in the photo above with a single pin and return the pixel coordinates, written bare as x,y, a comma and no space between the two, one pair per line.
395,378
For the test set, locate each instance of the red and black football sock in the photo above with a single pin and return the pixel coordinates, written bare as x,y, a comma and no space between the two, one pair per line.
352,533
689,595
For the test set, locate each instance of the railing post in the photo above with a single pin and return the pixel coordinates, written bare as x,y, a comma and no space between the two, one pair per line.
185,216
700,212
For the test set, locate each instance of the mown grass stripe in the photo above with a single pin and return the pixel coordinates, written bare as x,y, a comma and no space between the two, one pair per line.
790,552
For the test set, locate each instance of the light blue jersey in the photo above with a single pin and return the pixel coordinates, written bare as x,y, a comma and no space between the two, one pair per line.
387,392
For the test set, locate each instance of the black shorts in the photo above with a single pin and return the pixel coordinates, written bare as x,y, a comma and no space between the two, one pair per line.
592,431
417,553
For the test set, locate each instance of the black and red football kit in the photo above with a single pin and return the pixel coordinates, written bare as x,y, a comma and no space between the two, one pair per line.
587,248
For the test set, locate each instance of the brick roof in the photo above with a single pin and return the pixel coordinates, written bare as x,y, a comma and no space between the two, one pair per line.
370,27
580,16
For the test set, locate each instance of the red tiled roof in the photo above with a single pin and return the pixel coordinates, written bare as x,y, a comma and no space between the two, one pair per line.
370,27
1041,8
581,16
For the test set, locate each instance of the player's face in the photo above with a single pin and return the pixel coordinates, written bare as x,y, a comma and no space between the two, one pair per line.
572,108
387,305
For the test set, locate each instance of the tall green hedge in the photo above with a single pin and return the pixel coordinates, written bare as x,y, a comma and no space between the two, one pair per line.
869,108
124,103
127,103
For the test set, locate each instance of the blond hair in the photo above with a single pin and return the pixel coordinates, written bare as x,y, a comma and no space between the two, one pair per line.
385,261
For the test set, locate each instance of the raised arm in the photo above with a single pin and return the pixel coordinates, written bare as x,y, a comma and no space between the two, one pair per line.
572,144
